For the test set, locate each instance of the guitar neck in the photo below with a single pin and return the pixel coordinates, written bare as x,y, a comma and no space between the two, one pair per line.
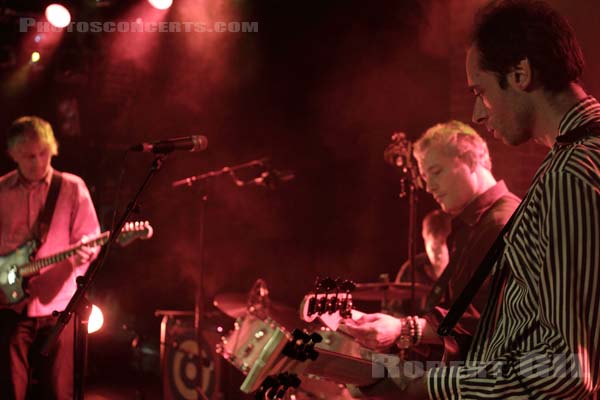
341,368
34,267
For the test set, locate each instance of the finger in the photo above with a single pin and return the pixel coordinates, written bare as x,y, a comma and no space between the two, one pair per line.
349,322
350,330
367,318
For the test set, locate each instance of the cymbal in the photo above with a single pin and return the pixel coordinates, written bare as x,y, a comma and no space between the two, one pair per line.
233,304
236,305
377,291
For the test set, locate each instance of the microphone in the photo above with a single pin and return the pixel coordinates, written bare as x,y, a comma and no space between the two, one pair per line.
399,151
190,143
272,178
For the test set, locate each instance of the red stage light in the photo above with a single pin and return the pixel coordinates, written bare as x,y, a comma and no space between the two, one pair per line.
58,15
161,4
96,319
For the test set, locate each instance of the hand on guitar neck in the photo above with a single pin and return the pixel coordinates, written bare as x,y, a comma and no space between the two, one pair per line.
380,331
22,264
85,254
373,331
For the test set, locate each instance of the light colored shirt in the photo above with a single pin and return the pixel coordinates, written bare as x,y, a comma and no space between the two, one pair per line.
74,216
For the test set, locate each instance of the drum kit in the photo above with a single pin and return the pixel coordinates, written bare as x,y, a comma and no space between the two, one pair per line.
271,337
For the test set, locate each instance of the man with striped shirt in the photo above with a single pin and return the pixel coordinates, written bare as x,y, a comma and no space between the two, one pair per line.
540,336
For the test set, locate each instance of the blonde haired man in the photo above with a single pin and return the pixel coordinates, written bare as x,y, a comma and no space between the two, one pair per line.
23,193
455,164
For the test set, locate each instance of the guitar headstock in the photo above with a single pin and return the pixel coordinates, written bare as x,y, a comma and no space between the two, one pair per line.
276,386
302,346
331,301
135,230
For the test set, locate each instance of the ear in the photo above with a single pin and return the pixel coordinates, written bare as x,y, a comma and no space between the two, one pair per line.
470,160
520,77
10,153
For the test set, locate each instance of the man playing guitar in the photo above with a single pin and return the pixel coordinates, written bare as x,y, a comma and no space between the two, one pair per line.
24,193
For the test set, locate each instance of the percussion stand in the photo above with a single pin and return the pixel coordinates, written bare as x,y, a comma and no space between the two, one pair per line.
199,296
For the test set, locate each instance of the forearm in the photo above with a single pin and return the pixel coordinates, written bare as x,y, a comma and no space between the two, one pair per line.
543,372
430,335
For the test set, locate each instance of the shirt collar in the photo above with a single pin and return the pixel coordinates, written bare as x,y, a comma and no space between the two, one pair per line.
473,212
19,180
584,111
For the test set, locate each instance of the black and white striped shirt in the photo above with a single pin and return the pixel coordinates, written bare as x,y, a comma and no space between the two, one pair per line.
539,335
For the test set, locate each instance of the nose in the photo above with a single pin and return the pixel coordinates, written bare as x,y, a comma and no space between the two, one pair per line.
36,161
430,185
480,114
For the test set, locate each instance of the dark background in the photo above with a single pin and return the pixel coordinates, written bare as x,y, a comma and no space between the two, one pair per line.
319,89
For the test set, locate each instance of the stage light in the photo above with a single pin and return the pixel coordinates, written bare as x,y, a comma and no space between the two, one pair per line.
35,56
96,319
58,15
161,4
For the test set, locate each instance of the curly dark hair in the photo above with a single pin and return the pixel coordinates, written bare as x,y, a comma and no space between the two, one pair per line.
508,31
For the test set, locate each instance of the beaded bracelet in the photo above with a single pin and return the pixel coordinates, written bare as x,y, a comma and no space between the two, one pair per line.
410,332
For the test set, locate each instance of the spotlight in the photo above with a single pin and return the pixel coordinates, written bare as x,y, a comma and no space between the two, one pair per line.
96,319
35,57
58,15
161,4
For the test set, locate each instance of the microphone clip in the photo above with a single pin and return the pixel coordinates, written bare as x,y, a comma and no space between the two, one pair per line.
399,153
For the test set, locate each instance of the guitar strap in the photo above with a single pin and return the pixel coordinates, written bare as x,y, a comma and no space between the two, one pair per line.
465,298
45,216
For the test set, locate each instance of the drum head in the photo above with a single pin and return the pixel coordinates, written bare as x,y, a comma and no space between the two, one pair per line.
190,368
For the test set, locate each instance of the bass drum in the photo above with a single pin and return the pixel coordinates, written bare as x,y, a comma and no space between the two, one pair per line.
190,368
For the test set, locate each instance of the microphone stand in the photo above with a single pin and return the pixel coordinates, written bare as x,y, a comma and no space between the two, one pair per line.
225,170
200,295
399,154
80,306
413,199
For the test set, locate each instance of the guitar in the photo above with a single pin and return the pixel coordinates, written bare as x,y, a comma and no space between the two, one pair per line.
268,354
262,349
19,265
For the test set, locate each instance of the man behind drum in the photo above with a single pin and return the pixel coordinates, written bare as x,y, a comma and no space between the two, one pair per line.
454,161
430,264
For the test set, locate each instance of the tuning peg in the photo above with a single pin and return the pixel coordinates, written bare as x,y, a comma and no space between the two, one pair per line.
347,286
316,338
318,284
332,304
290,380
312,306
297,334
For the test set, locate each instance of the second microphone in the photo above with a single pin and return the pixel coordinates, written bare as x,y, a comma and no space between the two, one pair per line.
186,143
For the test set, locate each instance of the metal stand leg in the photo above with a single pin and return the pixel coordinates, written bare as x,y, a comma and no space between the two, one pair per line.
80,351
